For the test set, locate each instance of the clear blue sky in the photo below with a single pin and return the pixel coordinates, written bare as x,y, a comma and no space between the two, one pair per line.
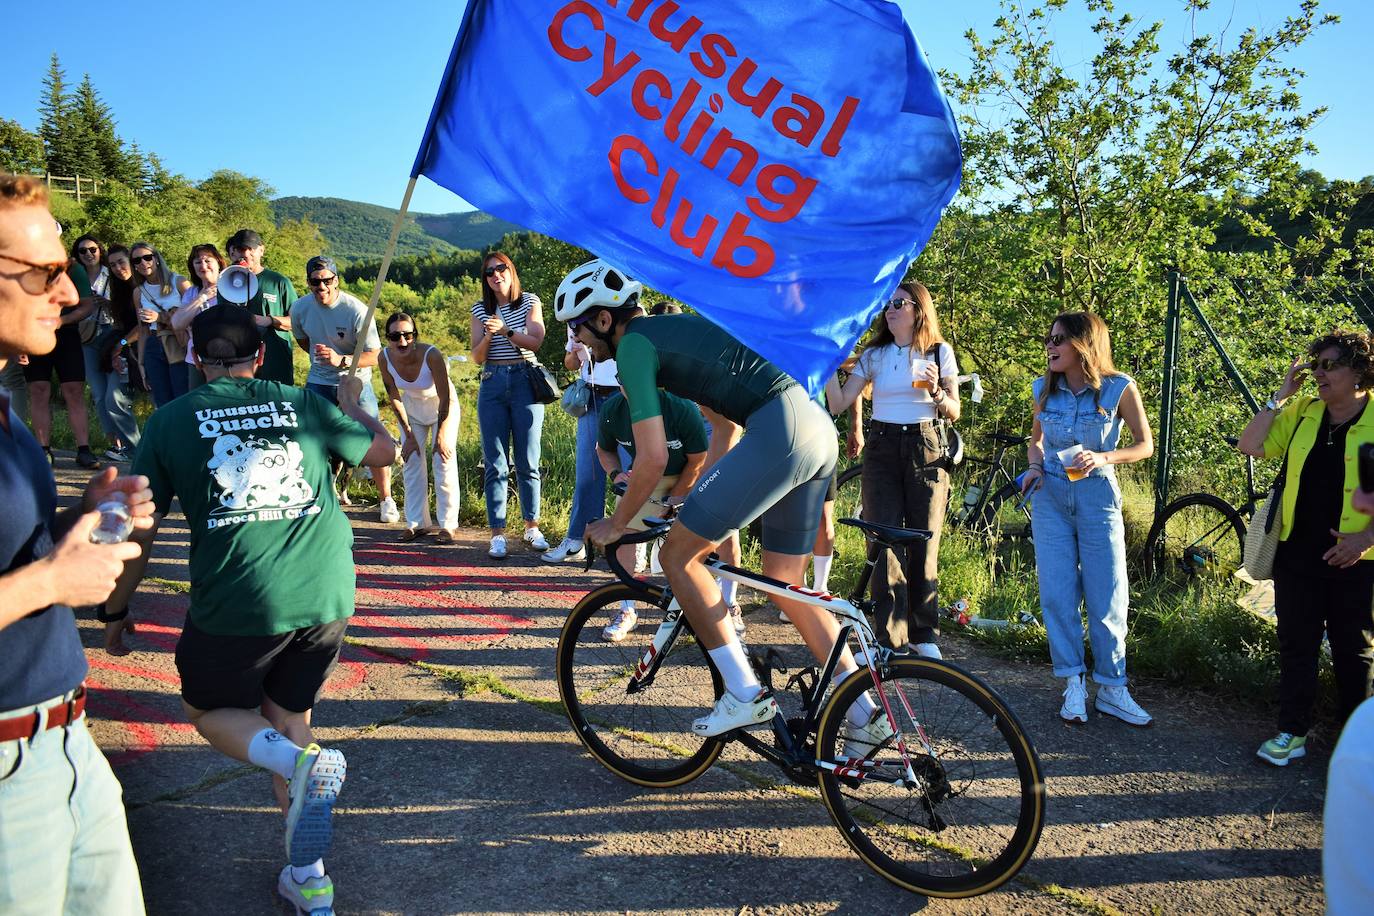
332,99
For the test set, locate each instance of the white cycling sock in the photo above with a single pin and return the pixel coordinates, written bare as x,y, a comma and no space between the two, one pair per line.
727,589
627,607
820,566
861,710
272,750
302,873
735,669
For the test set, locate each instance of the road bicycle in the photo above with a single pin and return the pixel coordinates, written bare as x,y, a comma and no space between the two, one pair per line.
951,805
1200,535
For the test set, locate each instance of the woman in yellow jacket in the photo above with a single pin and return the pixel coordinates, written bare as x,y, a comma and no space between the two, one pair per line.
1324,568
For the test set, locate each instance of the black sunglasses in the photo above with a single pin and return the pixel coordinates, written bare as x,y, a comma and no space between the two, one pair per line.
321,281
897,304
144,259
88,249
1326,364
1055,340
494,269
398,336
53,273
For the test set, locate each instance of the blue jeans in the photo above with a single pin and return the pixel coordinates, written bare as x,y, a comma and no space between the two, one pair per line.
367,400
99,382
589,488
119,407
1080,557
506,410
64,843
168,381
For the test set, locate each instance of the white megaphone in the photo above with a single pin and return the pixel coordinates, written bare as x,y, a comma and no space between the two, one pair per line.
237,284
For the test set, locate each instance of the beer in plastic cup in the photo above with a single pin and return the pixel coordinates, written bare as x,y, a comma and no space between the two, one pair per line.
918,372
1066,457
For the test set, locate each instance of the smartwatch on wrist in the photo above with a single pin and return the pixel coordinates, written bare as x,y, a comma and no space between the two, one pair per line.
1273,404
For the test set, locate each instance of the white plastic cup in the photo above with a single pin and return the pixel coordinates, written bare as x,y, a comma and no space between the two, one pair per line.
1066,457
116,523
918,374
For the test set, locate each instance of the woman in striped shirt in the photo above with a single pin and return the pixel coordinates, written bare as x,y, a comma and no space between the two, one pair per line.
507,327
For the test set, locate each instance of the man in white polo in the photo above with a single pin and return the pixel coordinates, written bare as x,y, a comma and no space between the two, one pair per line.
328,325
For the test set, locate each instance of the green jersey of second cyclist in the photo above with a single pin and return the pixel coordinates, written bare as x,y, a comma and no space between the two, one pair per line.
693,359
682,425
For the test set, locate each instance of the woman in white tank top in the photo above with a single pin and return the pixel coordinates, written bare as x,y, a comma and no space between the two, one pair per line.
418,386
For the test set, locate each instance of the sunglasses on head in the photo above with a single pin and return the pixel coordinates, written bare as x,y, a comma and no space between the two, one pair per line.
321,281
1326,365
398,336
52,273
1055,340
144,258
494,269
897,304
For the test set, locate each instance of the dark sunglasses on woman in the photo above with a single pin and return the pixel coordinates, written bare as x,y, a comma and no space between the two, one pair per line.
1055,340
398,336
144,259
494,269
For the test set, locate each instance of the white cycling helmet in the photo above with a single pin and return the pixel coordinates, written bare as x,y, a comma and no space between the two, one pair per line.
595,284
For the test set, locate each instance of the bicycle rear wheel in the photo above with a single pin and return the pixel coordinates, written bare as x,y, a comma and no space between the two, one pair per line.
975,816
645,737
1197,536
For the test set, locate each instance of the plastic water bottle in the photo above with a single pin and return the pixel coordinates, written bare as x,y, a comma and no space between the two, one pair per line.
972,494
116,523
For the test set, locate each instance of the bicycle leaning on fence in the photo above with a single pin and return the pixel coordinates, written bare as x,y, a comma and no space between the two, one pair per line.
950,805
1200,535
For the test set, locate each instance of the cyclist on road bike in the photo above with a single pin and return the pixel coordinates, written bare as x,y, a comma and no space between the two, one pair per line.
780,470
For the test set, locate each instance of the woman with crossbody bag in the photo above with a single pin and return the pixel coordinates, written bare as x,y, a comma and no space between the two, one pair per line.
905,480
1323,568
158,297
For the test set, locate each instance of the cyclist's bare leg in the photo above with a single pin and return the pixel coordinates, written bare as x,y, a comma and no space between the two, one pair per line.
694,586
818,627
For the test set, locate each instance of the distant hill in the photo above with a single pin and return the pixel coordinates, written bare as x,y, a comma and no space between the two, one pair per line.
358,231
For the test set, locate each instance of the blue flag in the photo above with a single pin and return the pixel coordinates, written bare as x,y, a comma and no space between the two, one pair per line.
775,164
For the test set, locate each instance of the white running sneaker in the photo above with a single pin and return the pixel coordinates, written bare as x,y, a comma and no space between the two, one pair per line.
1075,708
863,741
312,790
568,550
621,626
311,897
497,551
535,538
1116,701
388,512
925,649
730,714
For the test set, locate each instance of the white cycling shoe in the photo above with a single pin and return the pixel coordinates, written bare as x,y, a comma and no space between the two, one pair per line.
864,741
730,714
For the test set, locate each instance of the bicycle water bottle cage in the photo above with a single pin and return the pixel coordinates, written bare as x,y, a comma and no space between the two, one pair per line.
805,678
764,663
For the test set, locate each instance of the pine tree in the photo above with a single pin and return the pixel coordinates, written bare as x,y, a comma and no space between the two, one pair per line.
101,152
54,109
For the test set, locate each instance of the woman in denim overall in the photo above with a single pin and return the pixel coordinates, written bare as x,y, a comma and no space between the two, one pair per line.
1080,543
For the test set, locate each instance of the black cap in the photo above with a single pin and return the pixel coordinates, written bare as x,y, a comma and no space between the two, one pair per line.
245,238
225,335
321,262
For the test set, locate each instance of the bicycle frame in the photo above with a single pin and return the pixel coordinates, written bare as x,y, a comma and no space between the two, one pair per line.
991,483
791,738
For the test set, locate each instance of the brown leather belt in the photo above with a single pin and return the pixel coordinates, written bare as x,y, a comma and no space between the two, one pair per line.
605,391
59,714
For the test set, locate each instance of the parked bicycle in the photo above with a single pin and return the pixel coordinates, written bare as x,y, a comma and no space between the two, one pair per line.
1200,535
952,805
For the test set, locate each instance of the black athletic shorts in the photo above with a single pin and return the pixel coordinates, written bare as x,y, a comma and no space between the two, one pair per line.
833,490
67,359
235,672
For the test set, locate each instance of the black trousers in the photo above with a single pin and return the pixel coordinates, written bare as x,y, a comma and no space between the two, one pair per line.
902,488
1305,606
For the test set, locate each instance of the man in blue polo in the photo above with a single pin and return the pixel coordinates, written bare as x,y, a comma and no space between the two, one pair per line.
64,843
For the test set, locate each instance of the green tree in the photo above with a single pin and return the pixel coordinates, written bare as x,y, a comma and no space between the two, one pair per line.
21,151
54,110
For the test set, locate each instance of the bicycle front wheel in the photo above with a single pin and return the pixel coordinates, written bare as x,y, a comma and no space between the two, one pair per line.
1198,536
643,736
973,814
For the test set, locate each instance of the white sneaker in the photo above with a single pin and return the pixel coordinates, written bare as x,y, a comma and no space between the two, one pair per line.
497,551
621,626
736,615
925,649
568,550
1116,701
730,714
387,511
1075,708
344,499
535,539
865,740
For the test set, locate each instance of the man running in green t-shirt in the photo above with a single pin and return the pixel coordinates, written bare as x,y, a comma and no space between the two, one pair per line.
271,567
779,470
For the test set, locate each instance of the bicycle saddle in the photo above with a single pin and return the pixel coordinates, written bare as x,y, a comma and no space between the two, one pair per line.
893,537
1009,439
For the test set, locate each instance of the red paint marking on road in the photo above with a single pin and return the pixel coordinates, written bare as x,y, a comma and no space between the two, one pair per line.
103,664
346,676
